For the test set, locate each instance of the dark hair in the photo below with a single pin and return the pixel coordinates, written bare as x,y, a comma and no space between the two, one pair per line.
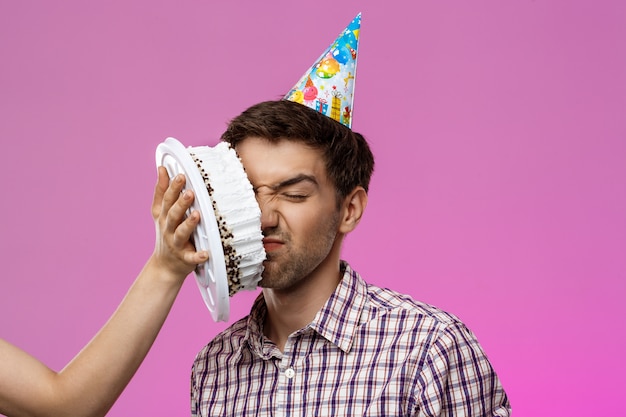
349,160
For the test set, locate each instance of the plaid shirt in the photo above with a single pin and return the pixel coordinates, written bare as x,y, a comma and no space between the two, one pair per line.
368,352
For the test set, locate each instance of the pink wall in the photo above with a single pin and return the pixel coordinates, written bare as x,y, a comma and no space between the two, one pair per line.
500,190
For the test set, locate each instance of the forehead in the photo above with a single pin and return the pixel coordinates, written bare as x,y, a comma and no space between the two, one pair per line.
270,162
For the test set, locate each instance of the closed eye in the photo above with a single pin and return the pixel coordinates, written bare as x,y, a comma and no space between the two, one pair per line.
295,197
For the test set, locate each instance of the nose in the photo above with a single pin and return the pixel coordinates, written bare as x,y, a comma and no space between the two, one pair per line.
269,214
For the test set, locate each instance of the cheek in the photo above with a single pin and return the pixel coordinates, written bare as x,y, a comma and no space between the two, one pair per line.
306,222
301,221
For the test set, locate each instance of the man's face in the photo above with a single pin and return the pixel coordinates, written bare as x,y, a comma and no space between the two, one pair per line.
299,214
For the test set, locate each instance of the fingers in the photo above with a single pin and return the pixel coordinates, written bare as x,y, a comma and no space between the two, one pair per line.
172,193
163,182
182,230
195,258
182,239
175,222
175,215
167,194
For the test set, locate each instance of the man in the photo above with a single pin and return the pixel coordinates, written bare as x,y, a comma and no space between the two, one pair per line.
319,340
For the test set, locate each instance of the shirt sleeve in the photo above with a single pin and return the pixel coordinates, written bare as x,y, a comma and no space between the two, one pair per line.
195,396
458,380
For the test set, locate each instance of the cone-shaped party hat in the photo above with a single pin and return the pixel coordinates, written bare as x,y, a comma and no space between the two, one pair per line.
328,86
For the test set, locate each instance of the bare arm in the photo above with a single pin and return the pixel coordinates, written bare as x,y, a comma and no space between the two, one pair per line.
94,379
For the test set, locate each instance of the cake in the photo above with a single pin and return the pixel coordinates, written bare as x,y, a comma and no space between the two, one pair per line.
236,212
230,220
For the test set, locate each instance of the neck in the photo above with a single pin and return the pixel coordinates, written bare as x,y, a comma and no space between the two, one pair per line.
289,310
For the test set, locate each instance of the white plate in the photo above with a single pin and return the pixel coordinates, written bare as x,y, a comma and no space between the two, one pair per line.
211,275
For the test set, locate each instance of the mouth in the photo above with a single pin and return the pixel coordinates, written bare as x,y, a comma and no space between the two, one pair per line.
271,244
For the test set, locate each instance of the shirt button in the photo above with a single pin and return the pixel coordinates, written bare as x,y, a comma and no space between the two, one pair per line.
290,373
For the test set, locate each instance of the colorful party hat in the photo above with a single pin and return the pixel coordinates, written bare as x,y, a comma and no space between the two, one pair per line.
328,86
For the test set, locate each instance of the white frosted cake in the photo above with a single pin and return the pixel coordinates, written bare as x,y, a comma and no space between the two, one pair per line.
230,220
236,211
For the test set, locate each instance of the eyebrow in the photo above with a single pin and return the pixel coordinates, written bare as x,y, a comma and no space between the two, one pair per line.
293,181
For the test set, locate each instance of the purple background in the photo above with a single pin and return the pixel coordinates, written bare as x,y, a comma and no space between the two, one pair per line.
499,194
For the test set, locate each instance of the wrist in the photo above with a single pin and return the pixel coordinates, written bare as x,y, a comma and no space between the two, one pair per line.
159,272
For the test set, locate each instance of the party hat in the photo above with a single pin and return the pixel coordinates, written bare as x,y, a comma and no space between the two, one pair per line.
328,86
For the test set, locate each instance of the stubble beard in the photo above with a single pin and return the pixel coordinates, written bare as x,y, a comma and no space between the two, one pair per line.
293,264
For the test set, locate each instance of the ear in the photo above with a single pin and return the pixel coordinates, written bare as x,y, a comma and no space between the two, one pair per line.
352,209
